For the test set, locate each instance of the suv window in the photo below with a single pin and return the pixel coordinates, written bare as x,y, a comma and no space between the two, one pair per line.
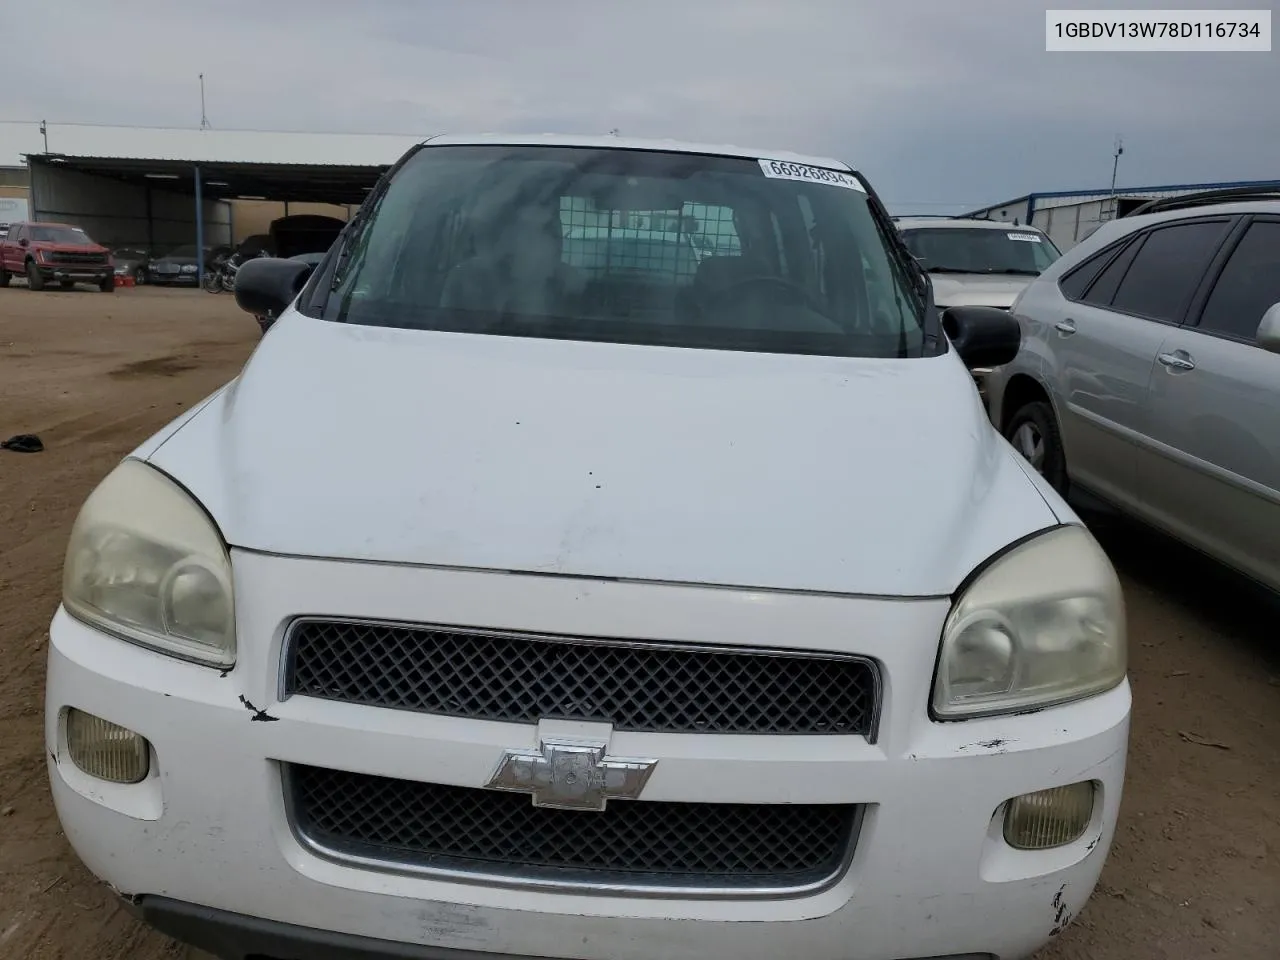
1075,283
630,246
1104,288
1168,268
1248,286
15,232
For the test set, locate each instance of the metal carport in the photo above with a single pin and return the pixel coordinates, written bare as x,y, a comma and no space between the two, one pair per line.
147,187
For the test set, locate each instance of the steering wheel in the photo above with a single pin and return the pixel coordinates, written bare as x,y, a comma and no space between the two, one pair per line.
740,288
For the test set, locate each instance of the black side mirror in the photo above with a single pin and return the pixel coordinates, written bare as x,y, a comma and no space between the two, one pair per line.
265,286
983,336
24,242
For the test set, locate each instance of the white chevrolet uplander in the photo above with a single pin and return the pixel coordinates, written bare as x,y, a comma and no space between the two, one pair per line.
541,591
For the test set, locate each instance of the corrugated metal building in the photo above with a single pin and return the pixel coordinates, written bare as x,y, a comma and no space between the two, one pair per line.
1068,216
160,187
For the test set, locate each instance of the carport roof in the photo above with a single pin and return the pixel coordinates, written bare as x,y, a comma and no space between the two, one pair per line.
315,167
297,182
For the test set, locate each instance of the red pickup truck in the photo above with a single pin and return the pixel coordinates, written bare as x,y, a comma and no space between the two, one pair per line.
54,253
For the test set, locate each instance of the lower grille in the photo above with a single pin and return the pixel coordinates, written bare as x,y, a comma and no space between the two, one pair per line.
695,849
77,259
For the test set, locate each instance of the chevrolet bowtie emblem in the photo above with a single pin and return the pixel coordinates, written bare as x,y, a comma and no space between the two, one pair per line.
572,775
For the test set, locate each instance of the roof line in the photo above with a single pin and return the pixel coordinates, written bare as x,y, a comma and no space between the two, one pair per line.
145,126
1046,194
1170,186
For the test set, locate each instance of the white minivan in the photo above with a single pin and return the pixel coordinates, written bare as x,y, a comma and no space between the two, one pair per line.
626,605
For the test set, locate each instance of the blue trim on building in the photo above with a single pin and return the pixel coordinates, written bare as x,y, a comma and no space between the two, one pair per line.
1031,198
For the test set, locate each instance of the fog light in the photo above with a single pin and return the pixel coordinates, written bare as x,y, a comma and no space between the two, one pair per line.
1049,818
106,750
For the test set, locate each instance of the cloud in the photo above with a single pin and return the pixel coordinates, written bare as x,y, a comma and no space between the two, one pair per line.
939,101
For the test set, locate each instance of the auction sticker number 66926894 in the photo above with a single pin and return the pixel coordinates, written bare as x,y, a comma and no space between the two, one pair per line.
786,170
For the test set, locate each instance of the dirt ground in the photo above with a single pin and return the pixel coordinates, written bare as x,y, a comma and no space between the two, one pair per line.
1195,870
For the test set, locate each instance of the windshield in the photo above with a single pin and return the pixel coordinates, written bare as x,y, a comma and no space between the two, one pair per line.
59,235
979,250
630,246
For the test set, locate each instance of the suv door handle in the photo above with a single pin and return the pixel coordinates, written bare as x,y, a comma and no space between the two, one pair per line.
1065,327
1179,360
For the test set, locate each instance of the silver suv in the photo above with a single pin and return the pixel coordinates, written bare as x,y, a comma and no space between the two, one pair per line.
977,262
1148,373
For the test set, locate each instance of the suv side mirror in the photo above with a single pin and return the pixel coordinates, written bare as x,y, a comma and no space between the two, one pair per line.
24,242
1269,330
983,336
265,286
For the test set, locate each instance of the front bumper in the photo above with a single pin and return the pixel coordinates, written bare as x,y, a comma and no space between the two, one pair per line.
78,273
224,934
931,875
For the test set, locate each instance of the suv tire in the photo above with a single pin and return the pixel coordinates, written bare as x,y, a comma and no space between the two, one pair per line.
4,277
1033,432
34,280
108,285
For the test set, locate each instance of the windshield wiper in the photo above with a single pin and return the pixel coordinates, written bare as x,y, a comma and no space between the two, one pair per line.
1003,271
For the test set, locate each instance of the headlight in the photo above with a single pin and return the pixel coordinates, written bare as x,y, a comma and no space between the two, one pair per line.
188,268
146,564
1041,625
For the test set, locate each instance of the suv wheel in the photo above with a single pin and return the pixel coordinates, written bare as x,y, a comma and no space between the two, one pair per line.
4,277
34,280
108,283
1033,432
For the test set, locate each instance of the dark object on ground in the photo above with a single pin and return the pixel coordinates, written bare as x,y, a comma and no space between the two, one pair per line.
23,443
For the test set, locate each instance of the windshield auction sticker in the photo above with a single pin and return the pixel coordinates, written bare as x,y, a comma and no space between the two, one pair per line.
1031,237
786,170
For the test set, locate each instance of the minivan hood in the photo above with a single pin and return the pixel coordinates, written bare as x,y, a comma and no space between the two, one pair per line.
977,289
863,476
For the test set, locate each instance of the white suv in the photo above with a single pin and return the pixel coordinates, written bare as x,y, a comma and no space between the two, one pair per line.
636,606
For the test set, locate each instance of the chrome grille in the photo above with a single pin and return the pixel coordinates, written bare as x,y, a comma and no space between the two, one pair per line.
524,678
634,844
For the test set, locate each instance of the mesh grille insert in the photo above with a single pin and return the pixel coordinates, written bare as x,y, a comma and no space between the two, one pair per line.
650,844
520,678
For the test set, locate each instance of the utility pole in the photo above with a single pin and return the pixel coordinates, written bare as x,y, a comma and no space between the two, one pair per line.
44,132
1115,166
204,118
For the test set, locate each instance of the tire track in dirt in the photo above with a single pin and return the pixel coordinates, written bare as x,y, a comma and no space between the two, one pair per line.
51,908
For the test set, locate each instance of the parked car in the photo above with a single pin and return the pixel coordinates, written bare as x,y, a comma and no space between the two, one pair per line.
302,233
131,262
1148,374
977,261
178,267
54,253
503,607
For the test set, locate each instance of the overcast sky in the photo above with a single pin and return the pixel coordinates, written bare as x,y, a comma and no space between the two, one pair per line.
944,104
